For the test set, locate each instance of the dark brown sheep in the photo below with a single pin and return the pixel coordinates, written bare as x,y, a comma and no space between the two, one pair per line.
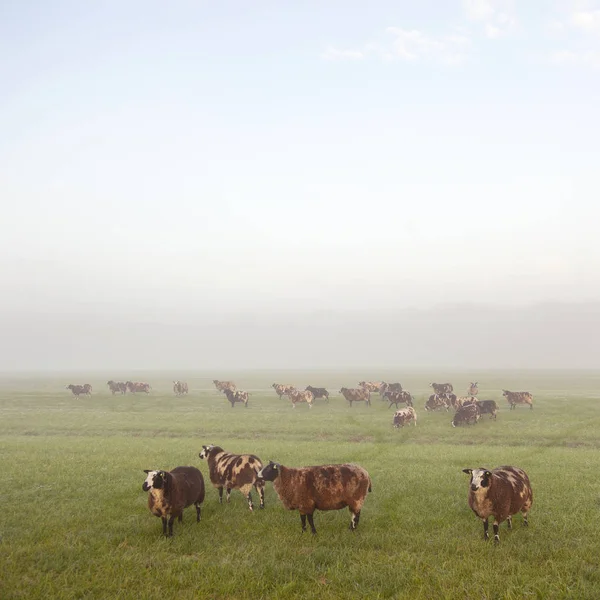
515,398
442,388
436,401
501,493
237,396
234,471
171,492
398,398
467,414
325,487
318,392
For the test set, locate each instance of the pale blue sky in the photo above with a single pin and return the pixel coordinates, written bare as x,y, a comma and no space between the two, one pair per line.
298,155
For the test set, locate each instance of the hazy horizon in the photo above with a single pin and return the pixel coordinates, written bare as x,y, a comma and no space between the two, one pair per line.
232,183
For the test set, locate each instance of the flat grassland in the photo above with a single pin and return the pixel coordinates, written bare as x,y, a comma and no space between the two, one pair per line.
75,524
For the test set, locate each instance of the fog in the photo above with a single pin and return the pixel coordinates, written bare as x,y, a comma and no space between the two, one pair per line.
204,186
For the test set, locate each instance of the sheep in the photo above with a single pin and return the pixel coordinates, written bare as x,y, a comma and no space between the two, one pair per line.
502,493
180,388
488,407
356,395
515,398
317,392
282,389
325,487
234,471
436,401
298,396
442,388
405,415
468,413
473,389
171,492
398,398
237,396
77,390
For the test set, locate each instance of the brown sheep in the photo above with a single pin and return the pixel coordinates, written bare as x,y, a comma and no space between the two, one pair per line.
515,398
501,493
171,492
325,487
405,415
224,385
398,398
473,389
442,388
282,389
234,471
356,395
297,396
237,396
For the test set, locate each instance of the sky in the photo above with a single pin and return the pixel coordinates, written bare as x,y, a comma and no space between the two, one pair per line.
228,157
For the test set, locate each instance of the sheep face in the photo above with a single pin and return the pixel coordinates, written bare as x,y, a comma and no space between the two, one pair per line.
480,478
269,472
155,479
206,451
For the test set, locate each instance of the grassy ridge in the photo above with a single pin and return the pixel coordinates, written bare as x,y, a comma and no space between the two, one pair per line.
75,522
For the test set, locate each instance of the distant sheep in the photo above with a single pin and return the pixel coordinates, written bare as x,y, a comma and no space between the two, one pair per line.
501,493
237,396
180,388
436,401
298,396
515,398
282,389
473,389
76,390
171,492
318,392
396,398
356,395
224,385
442,388
326,487
116,387
234,471
488,407
389,387
370,386
404,416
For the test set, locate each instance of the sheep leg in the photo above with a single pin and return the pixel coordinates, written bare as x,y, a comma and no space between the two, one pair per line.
249,498
486,535
509,522
171,520
525,520
261,494
164,524
197,505
496,536
180,518
354,520
228,497
312,525
221,495
303,521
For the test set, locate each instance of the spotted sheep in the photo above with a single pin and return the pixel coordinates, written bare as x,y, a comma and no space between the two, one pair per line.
398,398
180,388
404,416
282,389
515,398
442,388
463,400
234,472
436,401
237,396
325,487
173,491
297,396
138,386
356,395
389,387
466,414
501,493
224,385
370,386
473,389
318,392
79,390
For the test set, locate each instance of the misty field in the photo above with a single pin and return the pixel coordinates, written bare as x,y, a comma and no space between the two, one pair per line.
75,524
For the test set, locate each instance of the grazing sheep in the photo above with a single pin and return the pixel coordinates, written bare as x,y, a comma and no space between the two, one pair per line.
356,395
237,396
77,390
297,396
325,487
488,407
473,389
436,401
171,492
515,398
501,493
467,414
318,392
405,415
234,472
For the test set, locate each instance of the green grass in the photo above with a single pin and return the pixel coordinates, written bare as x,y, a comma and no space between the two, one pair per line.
75,523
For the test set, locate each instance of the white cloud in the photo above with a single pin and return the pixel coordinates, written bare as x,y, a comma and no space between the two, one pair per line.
332,53
586,58
587,20
413,45
496,16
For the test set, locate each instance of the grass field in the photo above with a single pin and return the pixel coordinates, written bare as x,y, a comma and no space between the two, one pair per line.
75,523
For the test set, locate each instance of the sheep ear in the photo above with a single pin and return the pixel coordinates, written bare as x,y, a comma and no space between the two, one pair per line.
488,474
147,470
468,471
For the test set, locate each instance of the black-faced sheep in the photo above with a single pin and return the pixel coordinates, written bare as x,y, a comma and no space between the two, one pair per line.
501,493
171,492
473,389
234,471
325,487
467,414
318,392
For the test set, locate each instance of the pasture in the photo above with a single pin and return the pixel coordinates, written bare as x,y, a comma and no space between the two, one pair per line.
75,522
